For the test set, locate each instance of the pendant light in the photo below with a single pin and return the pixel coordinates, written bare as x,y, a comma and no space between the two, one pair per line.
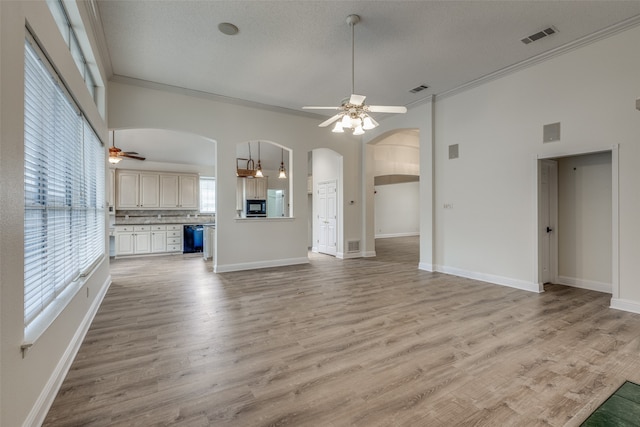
259,168
283,172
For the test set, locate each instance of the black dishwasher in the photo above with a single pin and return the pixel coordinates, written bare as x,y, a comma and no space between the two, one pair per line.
192,238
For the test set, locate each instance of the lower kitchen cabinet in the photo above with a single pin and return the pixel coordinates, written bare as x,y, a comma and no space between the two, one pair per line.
158,239
133,239
148,239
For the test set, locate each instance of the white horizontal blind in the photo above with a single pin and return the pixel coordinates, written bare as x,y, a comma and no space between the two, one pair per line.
207,194
64,187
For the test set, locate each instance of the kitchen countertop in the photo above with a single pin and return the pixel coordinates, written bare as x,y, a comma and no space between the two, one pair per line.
167,220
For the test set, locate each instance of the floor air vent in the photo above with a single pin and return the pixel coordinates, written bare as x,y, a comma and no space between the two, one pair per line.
539,35
353,246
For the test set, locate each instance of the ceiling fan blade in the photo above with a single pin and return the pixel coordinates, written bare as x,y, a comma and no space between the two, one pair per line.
132,157
387,109
356,99
320,108
129,152
331,120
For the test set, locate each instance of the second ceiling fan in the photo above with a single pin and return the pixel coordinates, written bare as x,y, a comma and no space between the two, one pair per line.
353,112
116,154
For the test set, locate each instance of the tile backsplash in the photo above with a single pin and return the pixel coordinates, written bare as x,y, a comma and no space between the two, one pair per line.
163,217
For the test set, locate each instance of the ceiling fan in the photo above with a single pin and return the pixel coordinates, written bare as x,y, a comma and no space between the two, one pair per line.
353,112
116,154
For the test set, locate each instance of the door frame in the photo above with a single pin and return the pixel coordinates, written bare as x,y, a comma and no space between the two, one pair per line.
615,217
317,225
552,221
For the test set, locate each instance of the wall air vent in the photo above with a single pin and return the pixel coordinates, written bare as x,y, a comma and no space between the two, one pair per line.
419,88
539,35
353,246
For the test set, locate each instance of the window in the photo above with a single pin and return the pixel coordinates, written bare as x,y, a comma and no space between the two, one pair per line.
70,37
207,194
64,214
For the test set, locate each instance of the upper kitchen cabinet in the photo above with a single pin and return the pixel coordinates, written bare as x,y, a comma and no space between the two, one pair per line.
137,190
178,191
255,188
156,190
188,194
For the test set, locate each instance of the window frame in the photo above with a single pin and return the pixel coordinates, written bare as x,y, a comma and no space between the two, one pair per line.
64,178
203,198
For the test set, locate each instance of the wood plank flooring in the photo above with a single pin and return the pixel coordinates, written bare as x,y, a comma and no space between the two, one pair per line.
362,342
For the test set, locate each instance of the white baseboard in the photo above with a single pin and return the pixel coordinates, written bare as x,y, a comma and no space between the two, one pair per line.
585,284
388,235
426,267
260,264
40,409
489,278
368,254
625,305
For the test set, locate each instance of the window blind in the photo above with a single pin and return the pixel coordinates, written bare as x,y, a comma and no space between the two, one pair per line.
63,187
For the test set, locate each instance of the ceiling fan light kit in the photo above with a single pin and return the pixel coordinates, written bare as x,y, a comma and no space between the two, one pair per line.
354,113
116,154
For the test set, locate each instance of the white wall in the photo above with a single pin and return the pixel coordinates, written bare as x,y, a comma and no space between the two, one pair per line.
28,385
275,241
397,210
584,220
490,232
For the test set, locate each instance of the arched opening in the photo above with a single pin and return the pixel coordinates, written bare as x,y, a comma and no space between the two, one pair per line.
164,181
324,187
264,176
395,171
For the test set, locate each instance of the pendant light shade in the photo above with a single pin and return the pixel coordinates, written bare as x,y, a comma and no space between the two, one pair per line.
259,167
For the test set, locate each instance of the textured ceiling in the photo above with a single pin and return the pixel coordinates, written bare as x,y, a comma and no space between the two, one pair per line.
294,53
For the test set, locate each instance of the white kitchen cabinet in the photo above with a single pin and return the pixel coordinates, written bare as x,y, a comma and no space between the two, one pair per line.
158,241
208,243
255,188
142,242
240,193
128,190
169,191
124,243
188,194
112,188
133,240
149,190
174,237
179,191
156,190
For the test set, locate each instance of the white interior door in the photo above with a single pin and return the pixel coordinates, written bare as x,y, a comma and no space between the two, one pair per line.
327,217
548,220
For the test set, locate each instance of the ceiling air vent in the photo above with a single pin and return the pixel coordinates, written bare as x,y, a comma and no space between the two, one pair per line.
419,88
539,35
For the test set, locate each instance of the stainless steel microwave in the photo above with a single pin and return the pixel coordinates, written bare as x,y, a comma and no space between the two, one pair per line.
256,208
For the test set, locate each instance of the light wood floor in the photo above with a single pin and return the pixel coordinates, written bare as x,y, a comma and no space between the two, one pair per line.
364,342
